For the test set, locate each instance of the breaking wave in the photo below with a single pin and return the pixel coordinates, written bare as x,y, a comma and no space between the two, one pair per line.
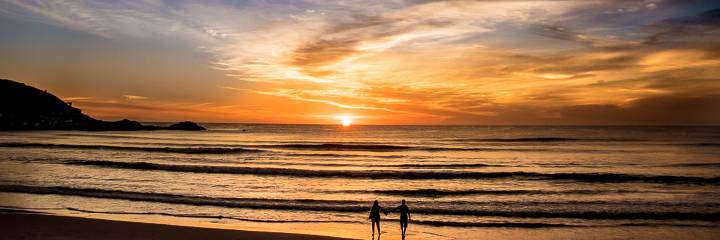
188,150
394,174
245,148
714,165
540,139
355,206
442,192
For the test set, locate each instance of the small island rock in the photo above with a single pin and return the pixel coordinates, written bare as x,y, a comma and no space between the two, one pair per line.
186,125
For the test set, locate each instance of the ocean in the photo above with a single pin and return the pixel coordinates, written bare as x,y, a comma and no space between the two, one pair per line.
460,182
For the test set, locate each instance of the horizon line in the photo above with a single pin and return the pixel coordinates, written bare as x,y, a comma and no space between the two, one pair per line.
457,125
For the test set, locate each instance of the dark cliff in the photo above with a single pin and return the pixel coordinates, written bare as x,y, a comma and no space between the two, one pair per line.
23,107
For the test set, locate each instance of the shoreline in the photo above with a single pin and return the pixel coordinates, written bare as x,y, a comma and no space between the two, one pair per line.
31,224
37,225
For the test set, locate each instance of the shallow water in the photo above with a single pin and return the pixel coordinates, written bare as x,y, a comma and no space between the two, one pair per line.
658,182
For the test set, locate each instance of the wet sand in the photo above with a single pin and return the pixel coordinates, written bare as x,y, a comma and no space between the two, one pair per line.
26,225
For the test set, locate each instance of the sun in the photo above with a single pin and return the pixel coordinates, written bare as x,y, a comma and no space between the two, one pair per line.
346,121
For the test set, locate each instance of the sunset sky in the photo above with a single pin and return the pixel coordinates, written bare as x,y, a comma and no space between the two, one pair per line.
379,62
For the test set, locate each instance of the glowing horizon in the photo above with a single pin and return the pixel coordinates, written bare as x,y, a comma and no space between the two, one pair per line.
378,62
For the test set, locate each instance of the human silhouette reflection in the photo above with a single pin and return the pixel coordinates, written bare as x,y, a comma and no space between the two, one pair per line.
404,217
375,217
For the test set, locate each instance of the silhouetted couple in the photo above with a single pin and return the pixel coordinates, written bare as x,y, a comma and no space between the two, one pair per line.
375,217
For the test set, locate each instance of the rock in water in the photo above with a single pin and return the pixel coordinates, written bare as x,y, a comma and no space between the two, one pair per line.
187,125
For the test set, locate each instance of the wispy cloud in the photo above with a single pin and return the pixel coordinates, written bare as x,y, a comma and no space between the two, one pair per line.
439,61
134,97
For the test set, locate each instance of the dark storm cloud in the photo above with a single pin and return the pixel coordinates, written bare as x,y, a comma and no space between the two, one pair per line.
703,27
562,33
679,109
656,110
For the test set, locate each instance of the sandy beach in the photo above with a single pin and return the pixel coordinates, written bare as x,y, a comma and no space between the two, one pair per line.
27,225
